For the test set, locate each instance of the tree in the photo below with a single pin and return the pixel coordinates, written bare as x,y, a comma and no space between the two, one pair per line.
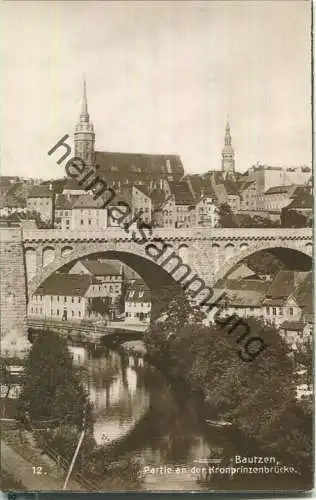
265,262
292,218
258,397
51,389
100,305
226,217
29,215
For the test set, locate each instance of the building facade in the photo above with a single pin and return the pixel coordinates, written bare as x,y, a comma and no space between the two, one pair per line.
137,303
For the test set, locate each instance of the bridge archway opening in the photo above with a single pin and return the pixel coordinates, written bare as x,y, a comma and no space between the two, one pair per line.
162,284
281,258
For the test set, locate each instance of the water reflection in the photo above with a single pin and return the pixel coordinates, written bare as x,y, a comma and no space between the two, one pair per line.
119,398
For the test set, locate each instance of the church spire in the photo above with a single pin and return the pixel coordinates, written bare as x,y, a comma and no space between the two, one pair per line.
228,138
84,116
228,154
84,133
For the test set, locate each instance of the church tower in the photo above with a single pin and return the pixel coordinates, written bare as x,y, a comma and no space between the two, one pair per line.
228,154
84,133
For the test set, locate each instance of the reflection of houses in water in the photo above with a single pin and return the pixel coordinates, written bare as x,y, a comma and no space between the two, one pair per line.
79,354
119,401
14,392
135,362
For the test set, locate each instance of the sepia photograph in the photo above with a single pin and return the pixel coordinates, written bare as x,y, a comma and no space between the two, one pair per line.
156,246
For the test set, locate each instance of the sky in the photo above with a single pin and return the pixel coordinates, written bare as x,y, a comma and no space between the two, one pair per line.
162,77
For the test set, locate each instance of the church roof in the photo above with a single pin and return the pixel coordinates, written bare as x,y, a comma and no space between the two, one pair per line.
137,165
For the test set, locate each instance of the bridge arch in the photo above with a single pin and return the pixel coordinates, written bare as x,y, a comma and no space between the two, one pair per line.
290,253
48,255
154,275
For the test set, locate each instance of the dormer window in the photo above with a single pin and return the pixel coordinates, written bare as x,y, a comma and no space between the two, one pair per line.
131,294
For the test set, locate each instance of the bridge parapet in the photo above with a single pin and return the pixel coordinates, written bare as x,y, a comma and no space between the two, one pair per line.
182,234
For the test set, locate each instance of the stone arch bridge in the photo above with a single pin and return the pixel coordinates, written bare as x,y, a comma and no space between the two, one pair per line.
161,256
210,253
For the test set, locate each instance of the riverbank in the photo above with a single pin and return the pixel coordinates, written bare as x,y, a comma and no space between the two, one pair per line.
19,453
258,398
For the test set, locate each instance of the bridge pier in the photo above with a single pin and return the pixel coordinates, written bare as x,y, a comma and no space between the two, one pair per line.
12,293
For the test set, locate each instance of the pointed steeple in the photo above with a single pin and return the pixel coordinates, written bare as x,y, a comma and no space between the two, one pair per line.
84,115
84,133
228,138
228,155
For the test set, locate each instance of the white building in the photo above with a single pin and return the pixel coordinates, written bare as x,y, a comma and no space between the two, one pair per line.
206,212
88,214
66,297
138,303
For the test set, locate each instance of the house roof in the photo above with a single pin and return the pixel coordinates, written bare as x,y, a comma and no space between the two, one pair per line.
73,185
286,283
243,185
304,294
304,201
87,201
41,191
65,284
63,202
143,189
201,185
182,193
242,271
138,292
13,202
98,268
136,165
244,298
290,190
251,285
124,195
157,197
231,188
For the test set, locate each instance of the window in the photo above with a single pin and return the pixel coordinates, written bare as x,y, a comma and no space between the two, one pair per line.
72,313
72,299
89,222
81,222
57,312
79,300
65,299
274,311
268,310
291,311
281,311
57,298
79,314
51,298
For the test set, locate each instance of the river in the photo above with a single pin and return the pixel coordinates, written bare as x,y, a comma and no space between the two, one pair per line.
165,429
135,408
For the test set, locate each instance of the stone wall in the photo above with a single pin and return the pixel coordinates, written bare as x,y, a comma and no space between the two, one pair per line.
12,293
